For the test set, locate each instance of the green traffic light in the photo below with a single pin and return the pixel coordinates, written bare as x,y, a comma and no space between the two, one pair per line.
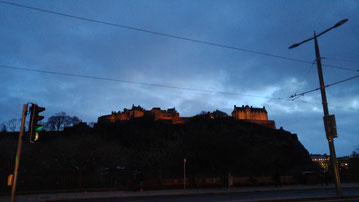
39,128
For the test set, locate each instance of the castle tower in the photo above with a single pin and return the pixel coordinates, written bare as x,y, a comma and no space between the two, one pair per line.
249,113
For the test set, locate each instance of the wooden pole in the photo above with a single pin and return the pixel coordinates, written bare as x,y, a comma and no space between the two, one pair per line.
18,153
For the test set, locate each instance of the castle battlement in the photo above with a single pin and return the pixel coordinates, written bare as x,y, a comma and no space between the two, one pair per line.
255,115
137,111
251,114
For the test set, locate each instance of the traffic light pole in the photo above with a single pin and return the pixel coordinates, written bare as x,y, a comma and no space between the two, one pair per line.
18,153
330,138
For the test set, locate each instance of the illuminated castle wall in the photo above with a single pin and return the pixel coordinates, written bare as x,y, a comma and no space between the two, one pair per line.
135,112
254,115
250,114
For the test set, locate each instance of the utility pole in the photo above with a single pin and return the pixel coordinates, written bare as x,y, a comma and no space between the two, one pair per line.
330,137
18,153
329,120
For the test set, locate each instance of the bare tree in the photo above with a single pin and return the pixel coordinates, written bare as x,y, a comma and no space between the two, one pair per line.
3,128
60,120
13,123
50,124
75,120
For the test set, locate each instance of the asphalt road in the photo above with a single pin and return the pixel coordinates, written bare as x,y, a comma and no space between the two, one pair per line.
249,196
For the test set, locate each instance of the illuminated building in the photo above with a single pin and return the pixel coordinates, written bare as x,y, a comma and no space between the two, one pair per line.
321,160
254,115
137,111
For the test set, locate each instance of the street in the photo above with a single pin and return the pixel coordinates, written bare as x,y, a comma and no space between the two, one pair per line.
322,194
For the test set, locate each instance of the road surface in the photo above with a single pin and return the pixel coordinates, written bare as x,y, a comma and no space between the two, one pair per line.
327,194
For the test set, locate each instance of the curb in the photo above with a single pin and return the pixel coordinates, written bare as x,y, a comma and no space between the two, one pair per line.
205,192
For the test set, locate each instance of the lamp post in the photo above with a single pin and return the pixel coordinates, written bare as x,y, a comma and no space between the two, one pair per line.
184,173
329,120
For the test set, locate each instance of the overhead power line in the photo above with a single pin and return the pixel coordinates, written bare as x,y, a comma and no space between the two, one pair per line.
135,82
171,36
304,77
343,60
332,84
161,85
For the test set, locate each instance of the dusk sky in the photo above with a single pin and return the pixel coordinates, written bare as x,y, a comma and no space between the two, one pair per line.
41,41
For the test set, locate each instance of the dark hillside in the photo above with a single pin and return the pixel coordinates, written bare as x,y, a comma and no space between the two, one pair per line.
212,148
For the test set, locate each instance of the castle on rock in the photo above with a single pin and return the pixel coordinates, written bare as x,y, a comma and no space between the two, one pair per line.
250,114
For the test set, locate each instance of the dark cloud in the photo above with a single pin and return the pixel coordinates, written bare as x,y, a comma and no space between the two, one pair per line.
37,40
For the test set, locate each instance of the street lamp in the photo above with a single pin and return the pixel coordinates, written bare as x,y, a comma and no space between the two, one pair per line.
329,120
184,173
335,26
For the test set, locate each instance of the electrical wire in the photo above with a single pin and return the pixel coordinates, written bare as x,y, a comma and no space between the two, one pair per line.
304,77
329,85
162,86
135,82
172,36
343,60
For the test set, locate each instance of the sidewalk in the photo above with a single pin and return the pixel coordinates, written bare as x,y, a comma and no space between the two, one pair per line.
169,192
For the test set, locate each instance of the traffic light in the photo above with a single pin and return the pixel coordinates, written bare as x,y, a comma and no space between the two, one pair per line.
34,127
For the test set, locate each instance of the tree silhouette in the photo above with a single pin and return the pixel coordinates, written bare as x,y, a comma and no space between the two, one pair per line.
3,128
61,120
13,123
356,151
